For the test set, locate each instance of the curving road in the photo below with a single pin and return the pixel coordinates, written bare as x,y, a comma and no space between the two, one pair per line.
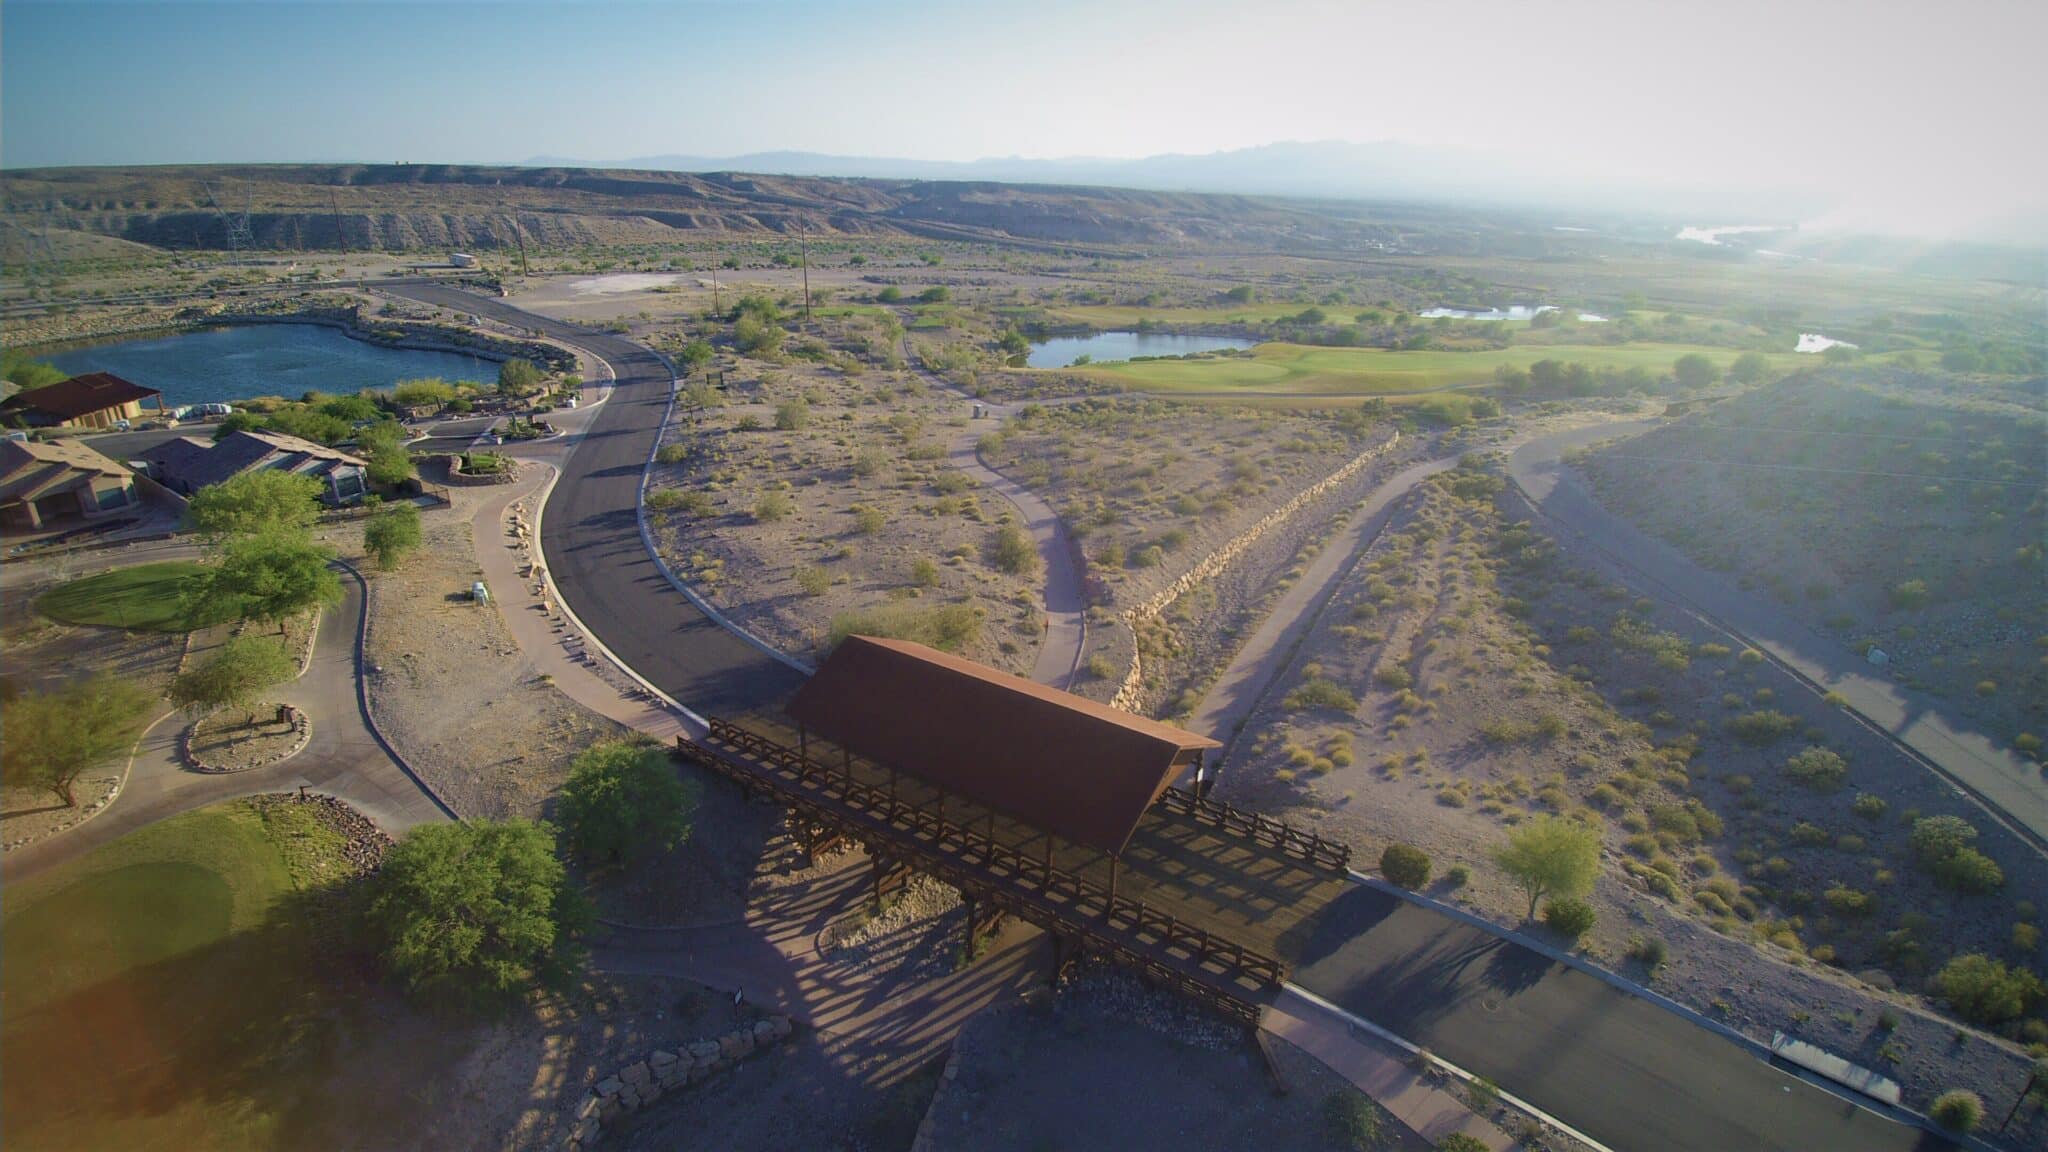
2010,789
590,531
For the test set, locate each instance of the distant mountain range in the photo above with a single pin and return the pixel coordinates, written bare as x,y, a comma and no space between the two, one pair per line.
1325,169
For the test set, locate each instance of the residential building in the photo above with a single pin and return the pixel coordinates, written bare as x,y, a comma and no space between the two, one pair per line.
187,464
94,400
44,485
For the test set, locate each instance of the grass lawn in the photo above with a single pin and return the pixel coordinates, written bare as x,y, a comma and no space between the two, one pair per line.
1305,370
150,597
169,991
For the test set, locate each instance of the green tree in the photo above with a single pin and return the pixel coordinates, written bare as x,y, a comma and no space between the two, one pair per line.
1014,343
17,368
473,913
757,337
267,501
696,354
1694,370
517,377
52,738
274,576
1750,368
390,466
625,798
239,422
1405,864
392,533
1551,856
935,295
890,294
234,677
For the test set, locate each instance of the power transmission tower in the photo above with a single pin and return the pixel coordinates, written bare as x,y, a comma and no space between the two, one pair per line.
238,231
519,234
804,240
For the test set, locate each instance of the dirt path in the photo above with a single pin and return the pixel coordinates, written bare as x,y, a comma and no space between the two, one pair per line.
1065,604
1271,648
2007,786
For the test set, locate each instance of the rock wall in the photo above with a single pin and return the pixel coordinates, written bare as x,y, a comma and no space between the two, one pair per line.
1132,689
644,1081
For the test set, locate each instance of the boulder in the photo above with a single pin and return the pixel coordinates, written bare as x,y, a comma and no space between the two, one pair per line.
764,1034
783,1026
699,1069
610,1086
629,1100
637,1075
673,1073
729,1045
650,1094
660,1060
586,1107
704,1050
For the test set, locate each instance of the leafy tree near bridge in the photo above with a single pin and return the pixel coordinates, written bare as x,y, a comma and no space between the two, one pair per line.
624,799
392,533
52,738
274,576
234,677
1551,856
256,503
472,914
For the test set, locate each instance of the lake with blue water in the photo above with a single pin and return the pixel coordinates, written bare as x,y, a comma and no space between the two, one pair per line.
222,365
1104,347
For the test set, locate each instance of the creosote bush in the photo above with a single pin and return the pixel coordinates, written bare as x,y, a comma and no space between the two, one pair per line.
1405,864
1957,1110
1569,916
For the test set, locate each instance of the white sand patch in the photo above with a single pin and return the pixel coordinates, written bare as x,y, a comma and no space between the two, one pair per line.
624,282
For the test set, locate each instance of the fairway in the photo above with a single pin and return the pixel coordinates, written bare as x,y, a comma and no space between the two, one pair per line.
1304,370
165,990
159,597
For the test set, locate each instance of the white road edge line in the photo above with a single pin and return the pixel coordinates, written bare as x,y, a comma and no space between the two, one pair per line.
1364,1025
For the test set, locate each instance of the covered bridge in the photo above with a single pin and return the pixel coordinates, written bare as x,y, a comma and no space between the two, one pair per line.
1084,771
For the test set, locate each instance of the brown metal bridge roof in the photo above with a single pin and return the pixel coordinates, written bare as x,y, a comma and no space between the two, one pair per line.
1081,770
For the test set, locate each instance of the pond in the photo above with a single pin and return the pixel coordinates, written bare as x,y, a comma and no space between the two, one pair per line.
222,365
1103,347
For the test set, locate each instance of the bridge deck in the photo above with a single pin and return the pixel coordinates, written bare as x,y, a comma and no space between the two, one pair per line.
1208,877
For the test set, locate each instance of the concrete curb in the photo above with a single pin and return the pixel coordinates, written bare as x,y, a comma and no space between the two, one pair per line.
540,505
363,701
647,540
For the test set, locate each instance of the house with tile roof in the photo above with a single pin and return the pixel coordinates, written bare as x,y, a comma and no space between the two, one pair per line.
94,400
49,484
186,464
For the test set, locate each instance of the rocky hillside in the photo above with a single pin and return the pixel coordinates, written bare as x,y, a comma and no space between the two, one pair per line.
401,207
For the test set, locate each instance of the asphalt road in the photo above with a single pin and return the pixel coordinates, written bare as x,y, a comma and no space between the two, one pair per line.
1622,1070
590,533
2002,781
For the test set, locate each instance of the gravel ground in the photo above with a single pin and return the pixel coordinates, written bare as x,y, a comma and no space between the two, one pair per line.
453,691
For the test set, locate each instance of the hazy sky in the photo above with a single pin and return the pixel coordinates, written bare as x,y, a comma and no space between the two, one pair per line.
1921,111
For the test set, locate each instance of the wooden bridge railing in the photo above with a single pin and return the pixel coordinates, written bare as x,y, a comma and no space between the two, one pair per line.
1024,883
1262,830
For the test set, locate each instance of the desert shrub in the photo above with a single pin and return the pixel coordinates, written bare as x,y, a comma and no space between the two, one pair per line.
1316,692
1101,667
1405,864
2026,938
814,581
868,520
1569,916
948,627
1910,594
1818,768
1457,876
773,506
790,415
924,573
1150,557
1984,991
1460,1142
673,453
1869,806
747,423
1969,870
1014,552
1848,901
1647,950
1762,727
1942,845
1393,678
1957,1110
1353,1120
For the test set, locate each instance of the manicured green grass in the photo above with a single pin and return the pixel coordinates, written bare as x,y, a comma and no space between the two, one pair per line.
149,597
167,991
1304,370
1129,315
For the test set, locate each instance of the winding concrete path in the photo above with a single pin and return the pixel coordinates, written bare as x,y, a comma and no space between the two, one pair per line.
343,759
2010,789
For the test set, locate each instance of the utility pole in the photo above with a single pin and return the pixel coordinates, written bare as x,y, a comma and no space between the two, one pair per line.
804,240
715,309
341,236
519,234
